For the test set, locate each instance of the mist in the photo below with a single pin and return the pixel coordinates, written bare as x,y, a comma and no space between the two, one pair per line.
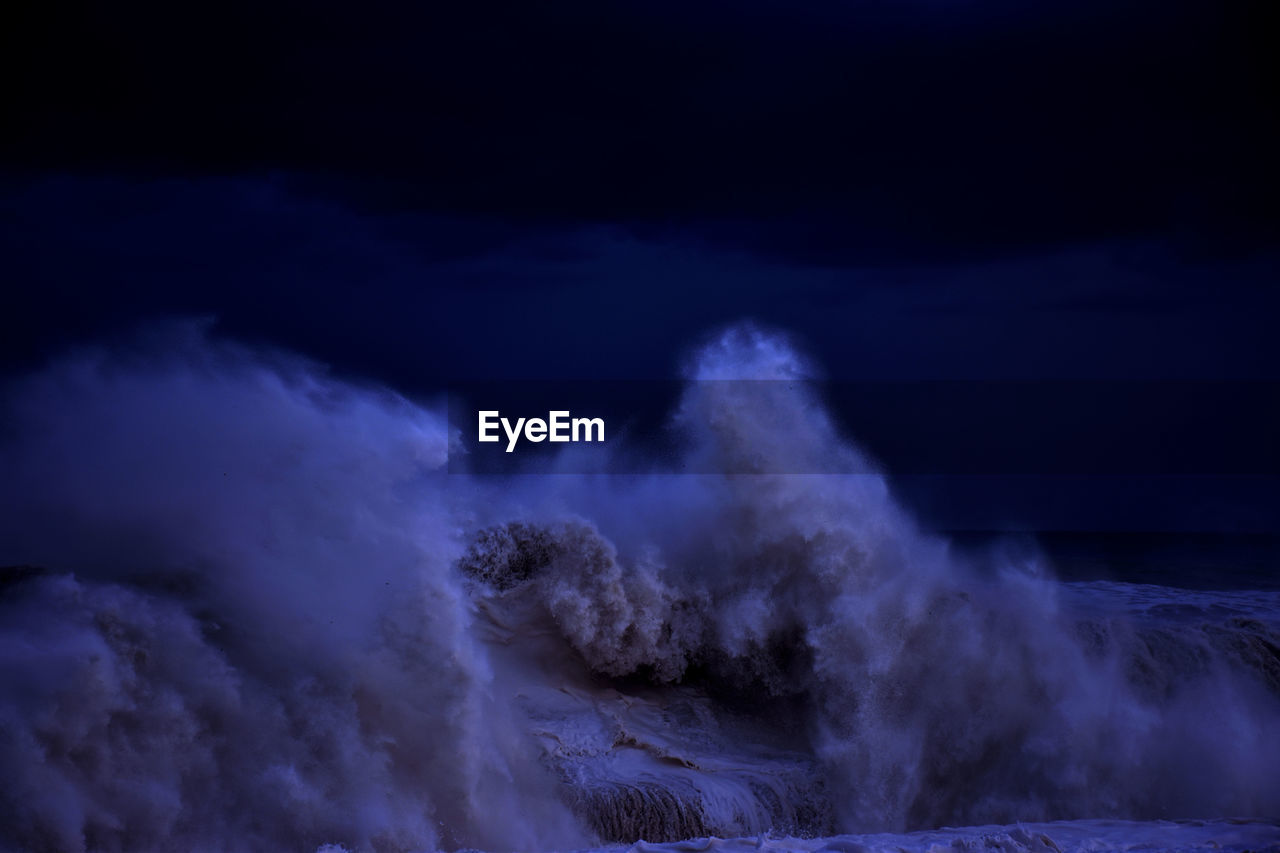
249,609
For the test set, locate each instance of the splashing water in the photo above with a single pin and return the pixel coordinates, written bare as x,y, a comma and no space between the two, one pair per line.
267,619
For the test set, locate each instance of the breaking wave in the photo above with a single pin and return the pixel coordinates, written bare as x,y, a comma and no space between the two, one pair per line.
266,618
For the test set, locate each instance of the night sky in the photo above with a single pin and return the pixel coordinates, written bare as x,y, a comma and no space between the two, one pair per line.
416,193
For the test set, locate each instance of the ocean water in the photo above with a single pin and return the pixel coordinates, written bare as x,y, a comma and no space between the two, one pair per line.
248,609
1083,836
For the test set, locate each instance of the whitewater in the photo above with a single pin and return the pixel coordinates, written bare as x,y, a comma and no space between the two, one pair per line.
245,606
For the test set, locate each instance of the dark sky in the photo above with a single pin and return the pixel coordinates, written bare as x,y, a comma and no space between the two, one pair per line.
418,192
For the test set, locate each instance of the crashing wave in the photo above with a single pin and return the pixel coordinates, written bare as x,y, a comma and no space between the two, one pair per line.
271,620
